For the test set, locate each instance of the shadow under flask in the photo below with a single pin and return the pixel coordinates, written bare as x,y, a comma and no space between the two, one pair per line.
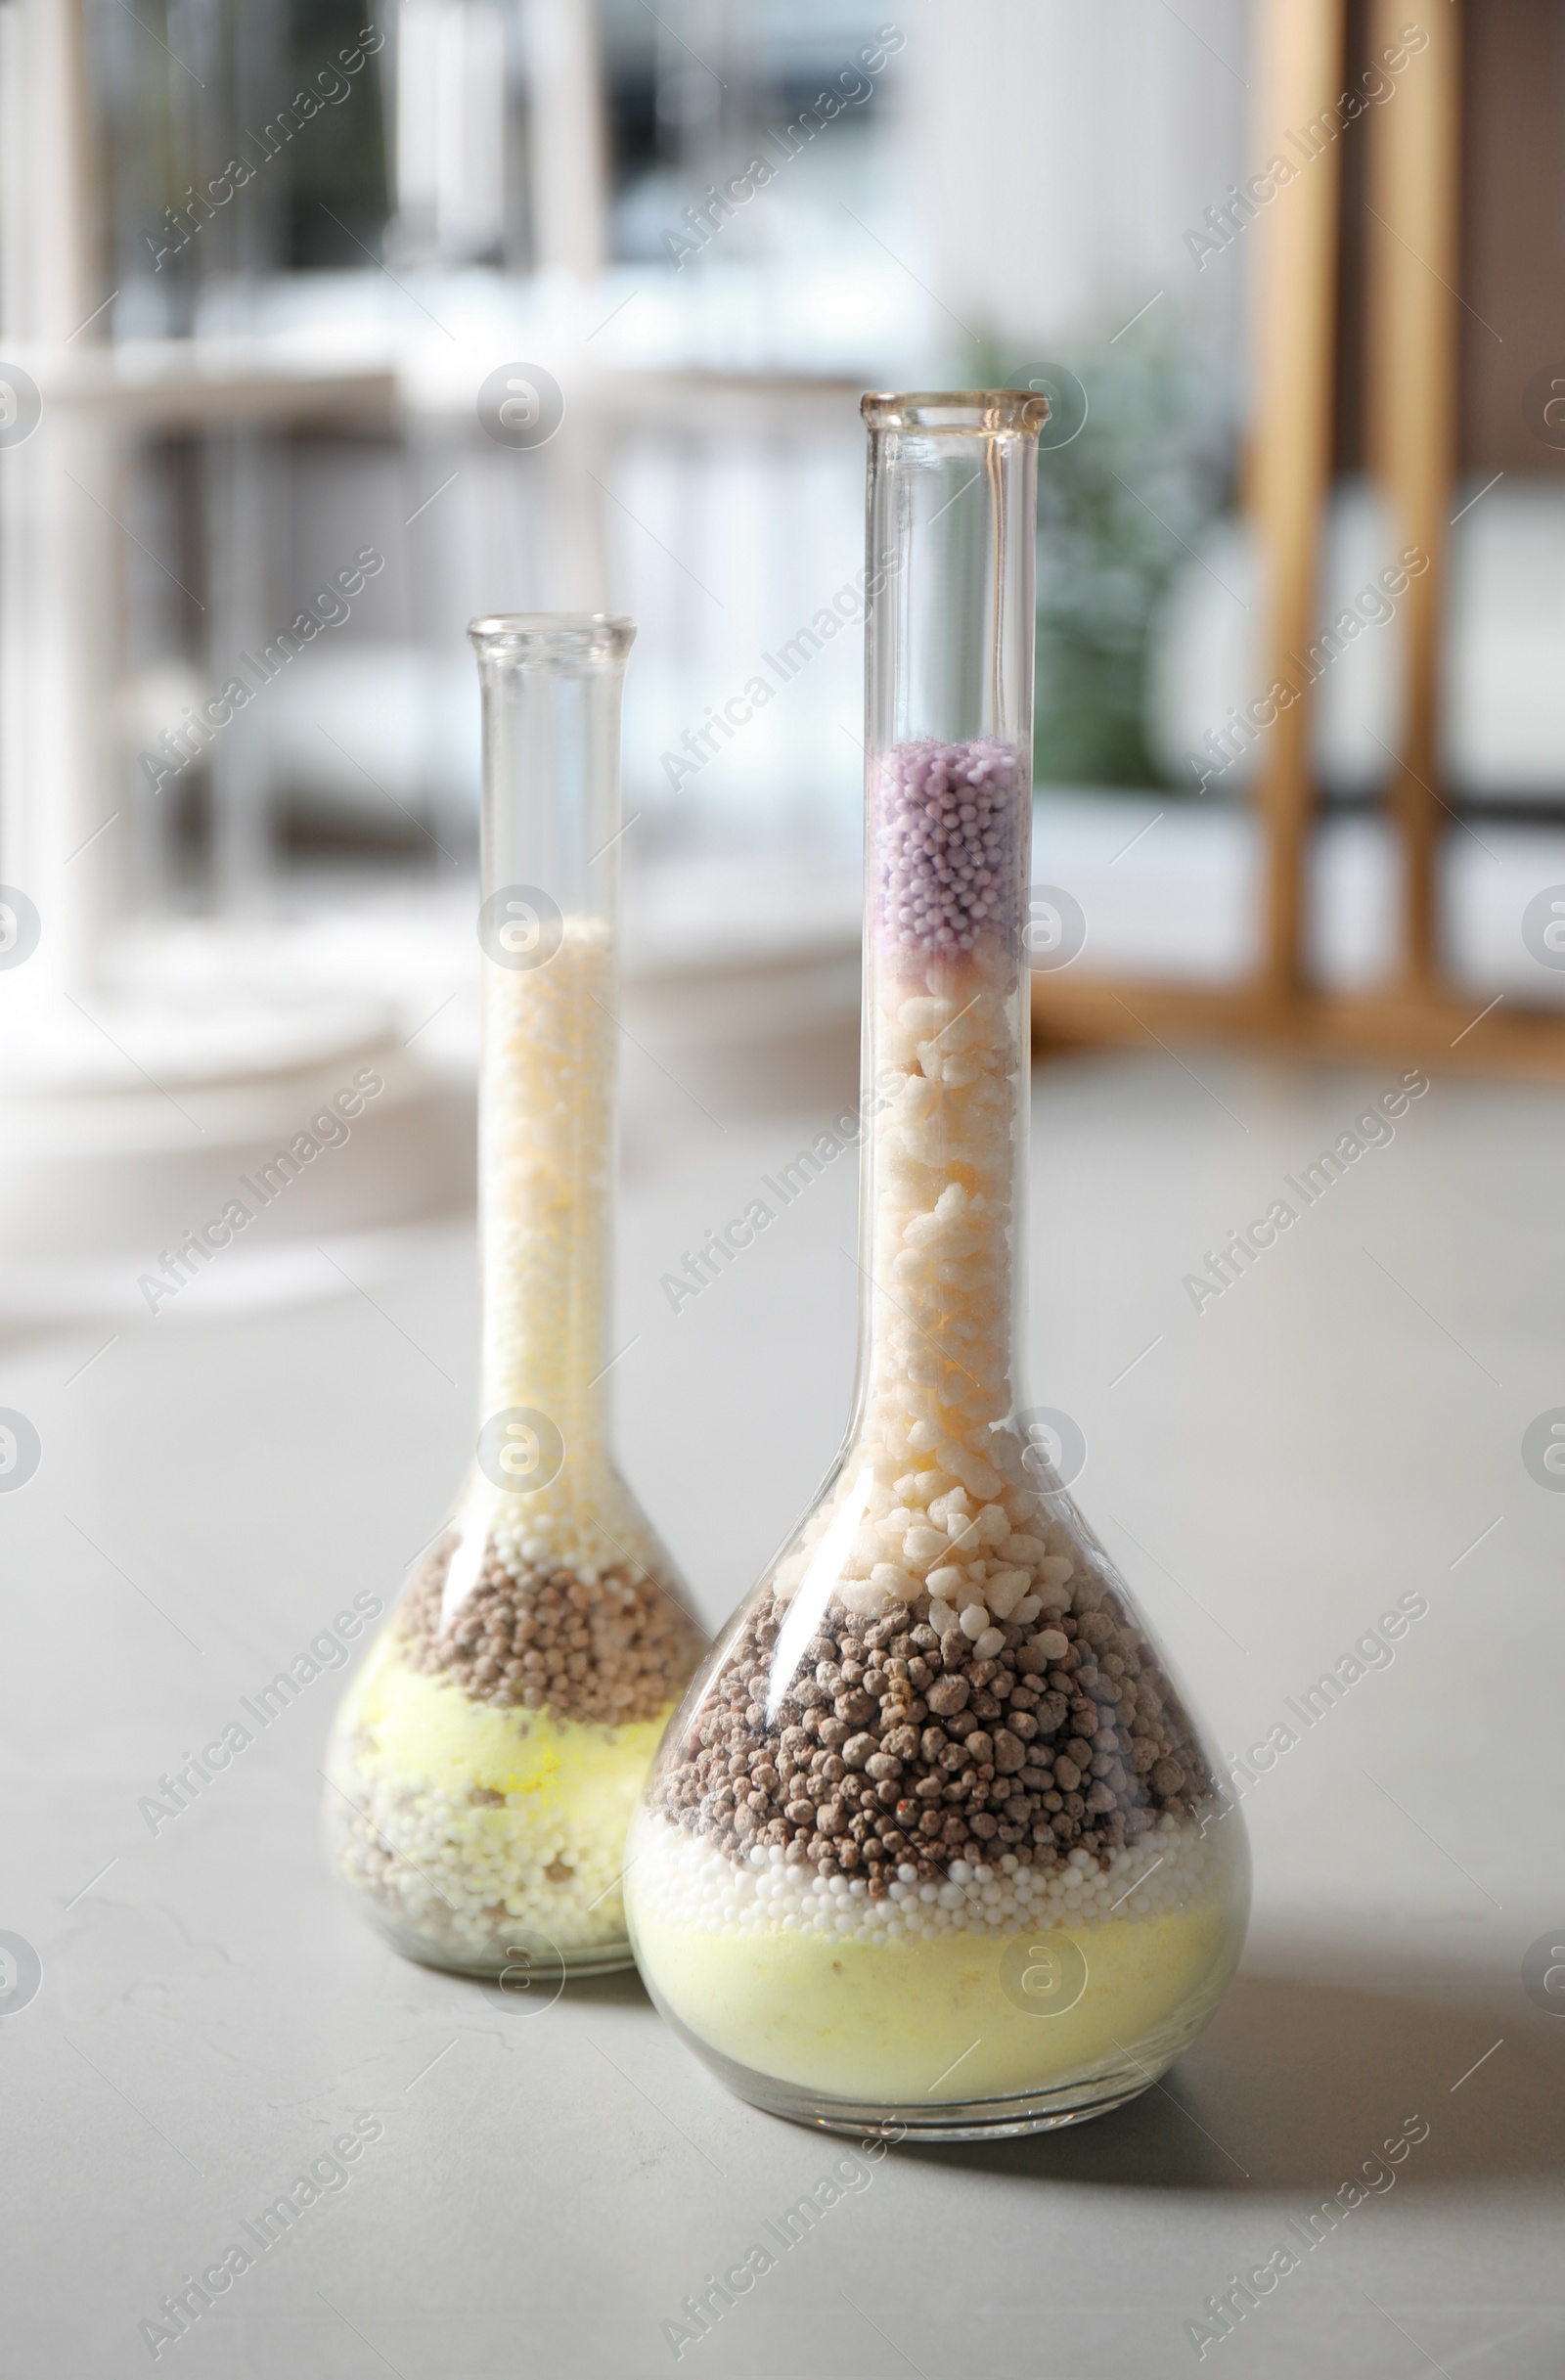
486,1760
934,1841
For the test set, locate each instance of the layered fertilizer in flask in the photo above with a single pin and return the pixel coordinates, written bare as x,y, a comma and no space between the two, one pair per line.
935,1839
486,1761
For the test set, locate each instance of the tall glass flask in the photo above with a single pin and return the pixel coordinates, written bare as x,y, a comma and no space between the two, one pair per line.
486,1760
935,1839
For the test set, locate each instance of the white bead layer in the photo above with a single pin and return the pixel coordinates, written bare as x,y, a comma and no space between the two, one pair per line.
683,1881
474,1879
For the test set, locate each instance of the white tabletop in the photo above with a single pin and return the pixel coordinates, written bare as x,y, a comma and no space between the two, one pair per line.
1340,1427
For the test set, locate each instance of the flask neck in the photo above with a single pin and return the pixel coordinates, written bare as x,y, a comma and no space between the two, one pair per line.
947,1040
548,935
952,497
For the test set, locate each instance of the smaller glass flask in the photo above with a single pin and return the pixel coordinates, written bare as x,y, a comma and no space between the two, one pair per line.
485,1762
935,1841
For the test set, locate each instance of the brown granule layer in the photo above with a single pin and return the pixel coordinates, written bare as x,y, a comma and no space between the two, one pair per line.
609,1654
894,1746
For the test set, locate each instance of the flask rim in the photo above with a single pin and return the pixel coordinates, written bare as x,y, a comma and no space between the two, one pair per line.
957,412
528,637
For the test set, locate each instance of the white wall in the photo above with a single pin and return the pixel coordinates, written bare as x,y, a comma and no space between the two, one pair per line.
1061,153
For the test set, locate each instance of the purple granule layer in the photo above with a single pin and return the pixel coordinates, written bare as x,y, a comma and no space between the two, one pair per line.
948,834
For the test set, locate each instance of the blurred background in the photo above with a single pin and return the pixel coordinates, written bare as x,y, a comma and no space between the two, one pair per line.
259,264
268,270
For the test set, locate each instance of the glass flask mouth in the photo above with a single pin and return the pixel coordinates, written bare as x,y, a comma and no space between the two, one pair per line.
958,411
547,638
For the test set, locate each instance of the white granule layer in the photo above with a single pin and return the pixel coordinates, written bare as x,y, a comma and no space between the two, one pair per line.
681,1881
933,1500
477,1879
546,1169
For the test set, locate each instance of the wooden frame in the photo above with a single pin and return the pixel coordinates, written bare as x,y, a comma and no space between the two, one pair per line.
1414,267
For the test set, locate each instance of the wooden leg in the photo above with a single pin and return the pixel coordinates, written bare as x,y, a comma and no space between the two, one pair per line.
1301,68
1414,261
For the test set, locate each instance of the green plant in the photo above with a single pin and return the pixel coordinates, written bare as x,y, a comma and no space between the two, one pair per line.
1120,507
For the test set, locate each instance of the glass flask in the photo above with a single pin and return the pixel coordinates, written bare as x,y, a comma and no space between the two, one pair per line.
934,1841
486,1761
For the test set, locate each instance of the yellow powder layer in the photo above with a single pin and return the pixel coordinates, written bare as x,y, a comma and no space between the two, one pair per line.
424,1729
917,2023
